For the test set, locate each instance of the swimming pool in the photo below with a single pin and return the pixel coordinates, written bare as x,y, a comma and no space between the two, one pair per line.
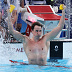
15,52
59,66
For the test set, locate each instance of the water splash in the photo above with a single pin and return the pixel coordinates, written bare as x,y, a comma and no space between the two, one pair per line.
69,63
5,53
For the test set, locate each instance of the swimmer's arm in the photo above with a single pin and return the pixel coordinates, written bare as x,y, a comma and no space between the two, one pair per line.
51,35
15,33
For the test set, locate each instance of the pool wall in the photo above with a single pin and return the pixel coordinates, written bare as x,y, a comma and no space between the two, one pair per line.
17,50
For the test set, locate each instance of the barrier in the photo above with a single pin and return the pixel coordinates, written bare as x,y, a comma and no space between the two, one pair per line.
59,49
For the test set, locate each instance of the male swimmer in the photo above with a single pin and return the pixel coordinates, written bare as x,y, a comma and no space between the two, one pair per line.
36,48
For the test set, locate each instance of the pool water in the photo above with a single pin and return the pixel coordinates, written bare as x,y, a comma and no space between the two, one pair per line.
64,65
7,53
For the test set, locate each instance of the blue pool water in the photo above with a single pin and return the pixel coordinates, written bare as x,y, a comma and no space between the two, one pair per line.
64,65
7,53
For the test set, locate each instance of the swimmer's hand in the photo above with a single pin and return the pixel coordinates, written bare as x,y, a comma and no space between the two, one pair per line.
64,7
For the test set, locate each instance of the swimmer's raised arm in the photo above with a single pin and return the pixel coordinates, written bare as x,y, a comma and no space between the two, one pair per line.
15,33
55,31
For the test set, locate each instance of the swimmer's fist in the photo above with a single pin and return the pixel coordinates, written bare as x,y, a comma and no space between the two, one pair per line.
64,7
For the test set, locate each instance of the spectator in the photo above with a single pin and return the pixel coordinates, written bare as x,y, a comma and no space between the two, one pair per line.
35,2
50,2
3,15
21,25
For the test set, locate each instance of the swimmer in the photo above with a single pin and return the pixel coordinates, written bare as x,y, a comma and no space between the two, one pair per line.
36,48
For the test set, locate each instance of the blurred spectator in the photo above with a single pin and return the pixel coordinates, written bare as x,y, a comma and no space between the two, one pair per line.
3,15
21,25
35,2
50,2
22,3
4,7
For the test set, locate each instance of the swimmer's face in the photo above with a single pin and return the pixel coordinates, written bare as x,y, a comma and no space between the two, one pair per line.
37,31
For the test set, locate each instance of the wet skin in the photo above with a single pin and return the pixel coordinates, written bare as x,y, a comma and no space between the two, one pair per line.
36,48
36,52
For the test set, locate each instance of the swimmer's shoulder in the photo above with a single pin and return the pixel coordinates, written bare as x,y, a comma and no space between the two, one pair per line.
26,38
43,37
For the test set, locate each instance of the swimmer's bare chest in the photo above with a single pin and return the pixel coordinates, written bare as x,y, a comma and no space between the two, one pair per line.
36,52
